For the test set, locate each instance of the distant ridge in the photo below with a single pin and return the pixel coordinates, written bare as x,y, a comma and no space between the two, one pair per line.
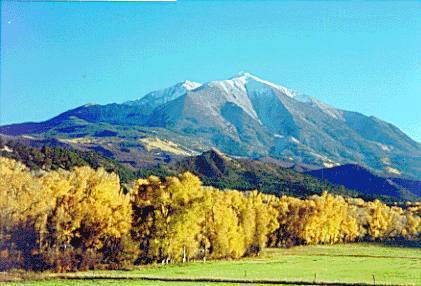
358,178
221,171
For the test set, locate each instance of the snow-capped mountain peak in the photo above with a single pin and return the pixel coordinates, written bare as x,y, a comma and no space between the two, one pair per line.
252,81
243,87
162,96
190,85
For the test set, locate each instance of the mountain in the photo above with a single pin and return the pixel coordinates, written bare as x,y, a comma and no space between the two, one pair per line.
413,186
225,172
242,116
355,177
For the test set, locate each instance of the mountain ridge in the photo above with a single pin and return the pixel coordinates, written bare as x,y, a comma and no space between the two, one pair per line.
358,178
224,172
243,116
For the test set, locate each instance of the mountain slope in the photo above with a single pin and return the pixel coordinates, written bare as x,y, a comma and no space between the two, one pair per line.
224,172
219,170
241,116
54,158
358,178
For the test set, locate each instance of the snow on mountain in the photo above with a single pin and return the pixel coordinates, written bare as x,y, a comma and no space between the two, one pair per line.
190,85
327,109
240,88
159,97
254,84
235,91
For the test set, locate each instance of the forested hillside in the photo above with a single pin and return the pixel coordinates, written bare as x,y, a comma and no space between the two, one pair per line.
223,172
212,167
355,177
54,158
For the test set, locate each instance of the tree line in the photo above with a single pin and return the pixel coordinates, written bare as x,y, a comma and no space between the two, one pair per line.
53,158
82,219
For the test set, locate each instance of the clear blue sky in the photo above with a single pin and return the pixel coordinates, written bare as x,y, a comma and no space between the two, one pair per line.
362,56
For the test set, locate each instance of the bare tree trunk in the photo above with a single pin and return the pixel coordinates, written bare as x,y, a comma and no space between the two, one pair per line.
184,254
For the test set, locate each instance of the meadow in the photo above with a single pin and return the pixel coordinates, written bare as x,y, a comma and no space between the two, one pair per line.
355,263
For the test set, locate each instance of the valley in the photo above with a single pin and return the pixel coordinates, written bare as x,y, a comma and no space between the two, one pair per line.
350,264
133,152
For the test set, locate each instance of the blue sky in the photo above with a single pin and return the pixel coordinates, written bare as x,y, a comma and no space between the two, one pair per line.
361,56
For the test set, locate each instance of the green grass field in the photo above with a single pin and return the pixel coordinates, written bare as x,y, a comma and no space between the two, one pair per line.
350,263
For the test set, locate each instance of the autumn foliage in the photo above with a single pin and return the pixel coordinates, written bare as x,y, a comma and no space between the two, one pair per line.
81,219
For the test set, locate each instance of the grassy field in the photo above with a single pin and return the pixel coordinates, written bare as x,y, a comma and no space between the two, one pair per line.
351,263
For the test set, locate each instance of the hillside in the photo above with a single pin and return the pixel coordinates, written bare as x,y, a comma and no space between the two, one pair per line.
54,158
358,178
214,168
224,172
241,116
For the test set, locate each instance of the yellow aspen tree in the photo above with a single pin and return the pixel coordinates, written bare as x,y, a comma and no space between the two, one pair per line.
90,211
24,206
